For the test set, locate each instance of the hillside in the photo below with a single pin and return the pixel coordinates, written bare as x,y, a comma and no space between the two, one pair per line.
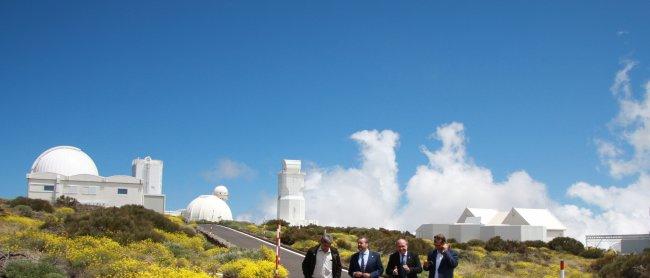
495,258
71,240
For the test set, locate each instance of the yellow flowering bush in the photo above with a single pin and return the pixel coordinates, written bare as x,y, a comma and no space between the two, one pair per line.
194,243
150,252
304,245
20,222
63,212
87,251
176,220
345,255
247,268
133,268
215,251
269,254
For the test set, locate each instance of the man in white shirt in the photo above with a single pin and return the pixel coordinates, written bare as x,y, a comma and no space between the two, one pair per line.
322,261
441,261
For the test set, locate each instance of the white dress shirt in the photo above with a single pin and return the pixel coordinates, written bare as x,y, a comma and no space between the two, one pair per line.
438,261
364,256
323,267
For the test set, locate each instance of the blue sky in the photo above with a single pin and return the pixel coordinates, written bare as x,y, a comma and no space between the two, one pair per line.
256,82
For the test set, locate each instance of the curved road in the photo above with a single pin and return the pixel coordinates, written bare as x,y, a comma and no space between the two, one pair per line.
291,260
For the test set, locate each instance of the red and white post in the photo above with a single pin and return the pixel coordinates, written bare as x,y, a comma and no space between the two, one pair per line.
561,268
277,250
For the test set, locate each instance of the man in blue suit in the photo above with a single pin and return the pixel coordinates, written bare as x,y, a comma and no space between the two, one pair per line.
441,261
365,263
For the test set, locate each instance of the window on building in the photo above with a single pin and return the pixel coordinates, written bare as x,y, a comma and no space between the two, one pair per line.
70,189
48,187
90,190
122,191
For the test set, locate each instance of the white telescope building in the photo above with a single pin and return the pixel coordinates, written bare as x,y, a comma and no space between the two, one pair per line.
66,170
291,202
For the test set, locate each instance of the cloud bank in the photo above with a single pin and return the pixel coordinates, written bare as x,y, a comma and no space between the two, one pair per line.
368,195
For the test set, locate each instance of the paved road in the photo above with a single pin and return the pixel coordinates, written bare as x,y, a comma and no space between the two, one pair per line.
291,260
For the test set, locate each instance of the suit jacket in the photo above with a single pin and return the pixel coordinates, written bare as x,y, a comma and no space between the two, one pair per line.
309,263
412,261
373,265
447,265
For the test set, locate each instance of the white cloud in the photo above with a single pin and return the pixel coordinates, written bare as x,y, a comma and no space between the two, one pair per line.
366,196
229,169
622,209
439,191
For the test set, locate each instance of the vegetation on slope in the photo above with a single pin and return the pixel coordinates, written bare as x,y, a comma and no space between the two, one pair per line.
70,240
494,258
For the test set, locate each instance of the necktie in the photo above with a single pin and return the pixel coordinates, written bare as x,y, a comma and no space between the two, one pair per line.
363,263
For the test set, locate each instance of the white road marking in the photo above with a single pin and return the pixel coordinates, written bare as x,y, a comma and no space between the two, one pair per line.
268,243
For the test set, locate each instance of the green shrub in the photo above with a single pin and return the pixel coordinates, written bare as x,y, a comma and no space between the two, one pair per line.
342,243
292,235
592,253
566,244
461,245
27,268
495,244
35,204
304,245
237,253
272,225
66,201
535,243
24,210
125,224
634,265
52,223
476,242
607,258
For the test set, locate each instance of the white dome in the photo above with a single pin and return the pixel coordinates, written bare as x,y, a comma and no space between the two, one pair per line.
208,207
221,192
64,160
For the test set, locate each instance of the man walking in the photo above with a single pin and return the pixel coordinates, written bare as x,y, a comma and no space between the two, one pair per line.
365,263
402,263
441,261
322,261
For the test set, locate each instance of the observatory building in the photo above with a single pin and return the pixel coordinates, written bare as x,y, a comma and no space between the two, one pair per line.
518,224
209,207
66,170
291,202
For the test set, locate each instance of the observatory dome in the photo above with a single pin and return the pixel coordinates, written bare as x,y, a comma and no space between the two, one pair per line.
208,207
64,160
221,192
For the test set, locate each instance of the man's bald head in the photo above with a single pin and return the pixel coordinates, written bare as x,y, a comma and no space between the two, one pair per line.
402,245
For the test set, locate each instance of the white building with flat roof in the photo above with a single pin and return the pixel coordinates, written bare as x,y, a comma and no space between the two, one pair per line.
520,224
66,170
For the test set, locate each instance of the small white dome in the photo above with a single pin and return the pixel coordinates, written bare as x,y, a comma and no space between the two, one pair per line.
64,160
221,192
208,207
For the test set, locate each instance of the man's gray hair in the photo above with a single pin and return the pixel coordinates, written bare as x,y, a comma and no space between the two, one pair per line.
327,238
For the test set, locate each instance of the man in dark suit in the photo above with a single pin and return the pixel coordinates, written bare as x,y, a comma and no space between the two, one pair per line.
441,261
365,263
322,261
402,263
